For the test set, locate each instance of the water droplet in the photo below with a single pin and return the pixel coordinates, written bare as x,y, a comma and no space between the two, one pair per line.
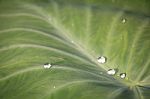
123,75
101,72
124,20
111,72
47,65
102,59
54,87
72,41
127,78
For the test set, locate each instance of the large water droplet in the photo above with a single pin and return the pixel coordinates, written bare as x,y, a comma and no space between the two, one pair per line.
102,59
123,75
47,65
111,72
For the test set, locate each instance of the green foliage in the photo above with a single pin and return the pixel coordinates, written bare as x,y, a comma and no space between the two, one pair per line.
71,35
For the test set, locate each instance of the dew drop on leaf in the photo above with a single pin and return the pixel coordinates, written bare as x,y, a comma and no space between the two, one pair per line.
122,75
102,59
47,65
54,87
124,20
111,72
72,41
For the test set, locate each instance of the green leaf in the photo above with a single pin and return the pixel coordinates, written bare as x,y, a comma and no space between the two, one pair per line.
71,35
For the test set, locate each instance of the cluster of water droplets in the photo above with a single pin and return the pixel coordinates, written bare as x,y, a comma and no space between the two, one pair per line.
102,60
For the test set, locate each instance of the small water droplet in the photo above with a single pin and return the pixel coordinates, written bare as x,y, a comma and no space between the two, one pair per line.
122,75
102,59
47,65
111,72
124,20
72,41
54,87
127,78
